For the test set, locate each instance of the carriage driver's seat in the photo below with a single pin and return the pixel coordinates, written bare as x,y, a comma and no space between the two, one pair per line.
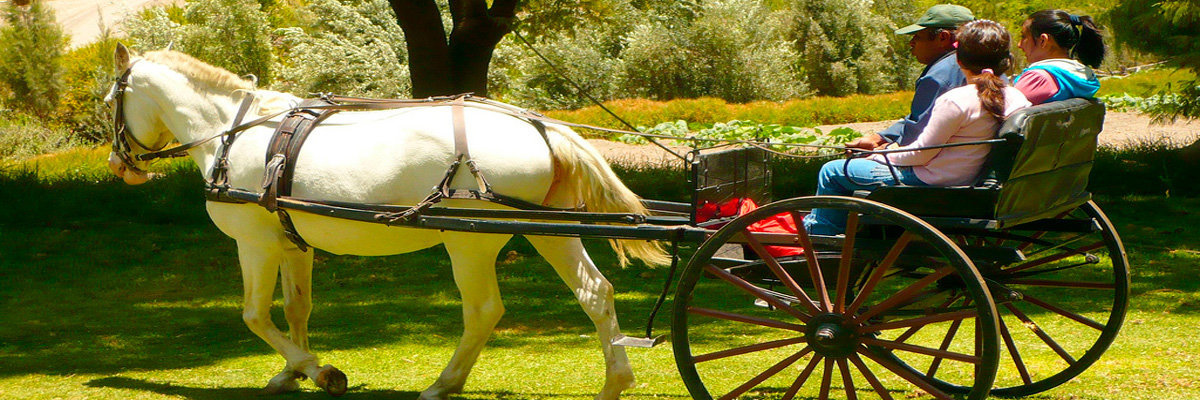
1041,171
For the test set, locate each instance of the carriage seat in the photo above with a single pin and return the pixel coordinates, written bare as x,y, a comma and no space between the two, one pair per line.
1041,170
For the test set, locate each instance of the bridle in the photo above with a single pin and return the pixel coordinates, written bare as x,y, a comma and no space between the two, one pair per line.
122,138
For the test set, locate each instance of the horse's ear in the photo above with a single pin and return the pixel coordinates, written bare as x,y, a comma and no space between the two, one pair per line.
121,57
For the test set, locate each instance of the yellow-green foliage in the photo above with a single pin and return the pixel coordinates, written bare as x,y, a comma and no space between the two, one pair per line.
87,73
1145,83
805,112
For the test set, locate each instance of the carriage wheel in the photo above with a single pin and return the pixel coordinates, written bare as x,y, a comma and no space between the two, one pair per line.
1062,306
772,327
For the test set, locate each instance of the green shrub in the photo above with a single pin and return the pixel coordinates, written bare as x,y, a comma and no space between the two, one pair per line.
846,47
23,136
587,57
88,73
734,50
31,48
231,34
348,47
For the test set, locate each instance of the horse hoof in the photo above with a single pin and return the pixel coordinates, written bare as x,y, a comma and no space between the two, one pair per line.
281,388
332,380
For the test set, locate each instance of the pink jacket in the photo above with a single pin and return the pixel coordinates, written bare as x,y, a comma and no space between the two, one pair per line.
957,117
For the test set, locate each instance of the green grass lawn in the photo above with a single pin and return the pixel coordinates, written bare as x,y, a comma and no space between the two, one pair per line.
115,292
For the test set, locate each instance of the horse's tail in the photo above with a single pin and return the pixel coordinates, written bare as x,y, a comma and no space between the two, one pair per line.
582,175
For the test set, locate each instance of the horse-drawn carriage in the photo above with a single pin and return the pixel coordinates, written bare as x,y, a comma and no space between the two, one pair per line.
1012,286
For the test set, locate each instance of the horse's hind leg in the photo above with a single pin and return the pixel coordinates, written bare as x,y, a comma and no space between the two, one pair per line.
260,266
296,281
595,294
473,258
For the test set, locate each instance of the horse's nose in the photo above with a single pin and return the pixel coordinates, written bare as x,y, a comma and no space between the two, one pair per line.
115,165
130,176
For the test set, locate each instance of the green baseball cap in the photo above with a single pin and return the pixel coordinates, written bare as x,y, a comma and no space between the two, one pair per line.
947,16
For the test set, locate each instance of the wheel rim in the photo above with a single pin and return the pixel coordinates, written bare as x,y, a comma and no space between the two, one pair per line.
841,307
1061,308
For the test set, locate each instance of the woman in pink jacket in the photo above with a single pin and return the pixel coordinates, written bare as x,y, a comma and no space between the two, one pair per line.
968,113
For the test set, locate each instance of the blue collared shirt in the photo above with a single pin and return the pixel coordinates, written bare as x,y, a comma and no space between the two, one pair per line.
937,78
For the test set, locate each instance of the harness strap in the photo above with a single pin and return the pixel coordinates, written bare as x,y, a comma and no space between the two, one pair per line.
181,150
282,153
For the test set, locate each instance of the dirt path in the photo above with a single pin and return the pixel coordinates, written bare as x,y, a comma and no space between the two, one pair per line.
83,19
1120,129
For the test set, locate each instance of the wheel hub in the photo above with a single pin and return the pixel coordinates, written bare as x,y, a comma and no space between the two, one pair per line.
832,335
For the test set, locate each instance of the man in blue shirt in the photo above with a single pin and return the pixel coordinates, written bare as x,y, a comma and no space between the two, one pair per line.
933,43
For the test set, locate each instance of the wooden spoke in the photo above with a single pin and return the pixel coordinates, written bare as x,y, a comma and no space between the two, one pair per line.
774,344
912,331
880,269
766,374
814,268
1016,355
847,380
1065,284
757,292
937,361
825,379
1078,318
808,369
843,280
907,375
918,322
1037,330
770,323
773,264
862,368
1028,273
1063,243
904,294
1053,258
940,352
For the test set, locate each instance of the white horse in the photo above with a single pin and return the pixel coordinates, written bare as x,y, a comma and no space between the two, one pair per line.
380,157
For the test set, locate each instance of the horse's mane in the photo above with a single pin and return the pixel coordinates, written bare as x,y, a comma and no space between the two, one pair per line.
220,80
202,74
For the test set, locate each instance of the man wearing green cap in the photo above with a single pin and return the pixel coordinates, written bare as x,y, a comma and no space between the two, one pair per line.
933,43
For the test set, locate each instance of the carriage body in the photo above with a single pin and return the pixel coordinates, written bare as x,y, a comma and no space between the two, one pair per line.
1010,287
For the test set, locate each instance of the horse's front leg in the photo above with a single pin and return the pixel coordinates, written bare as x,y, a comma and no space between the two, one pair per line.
260,266
595,295
473,259
296,281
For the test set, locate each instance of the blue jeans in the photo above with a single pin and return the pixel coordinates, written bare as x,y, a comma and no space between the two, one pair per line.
834,181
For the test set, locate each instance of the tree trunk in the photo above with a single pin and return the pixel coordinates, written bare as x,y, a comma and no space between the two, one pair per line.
459,64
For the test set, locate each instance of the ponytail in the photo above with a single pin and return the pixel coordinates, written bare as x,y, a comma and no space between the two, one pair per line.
991,92
1090,49
1078,34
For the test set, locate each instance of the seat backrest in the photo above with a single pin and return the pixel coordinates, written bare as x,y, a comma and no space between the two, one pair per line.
1044,166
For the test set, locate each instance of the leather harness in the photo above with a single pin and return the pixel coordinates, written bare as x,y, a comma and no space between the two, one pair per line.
284,149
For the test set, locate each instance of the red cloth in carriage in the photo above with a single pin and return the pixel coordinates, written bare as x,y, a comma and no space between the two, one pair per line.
778,223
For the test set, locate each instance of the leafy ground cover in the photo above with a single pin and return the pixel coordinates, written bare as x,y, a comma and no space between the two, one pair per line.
116,292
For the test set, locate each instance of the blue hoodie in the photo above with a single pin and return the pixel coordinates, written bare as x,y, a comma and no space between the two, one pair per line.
1073,78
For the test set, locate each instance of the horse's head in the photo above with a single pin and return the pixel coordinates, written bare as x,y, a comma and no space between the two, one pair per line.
137,130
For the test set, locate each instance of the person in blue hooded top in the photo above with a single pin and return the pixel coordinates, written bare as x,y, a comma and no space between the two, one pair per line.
1063,48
